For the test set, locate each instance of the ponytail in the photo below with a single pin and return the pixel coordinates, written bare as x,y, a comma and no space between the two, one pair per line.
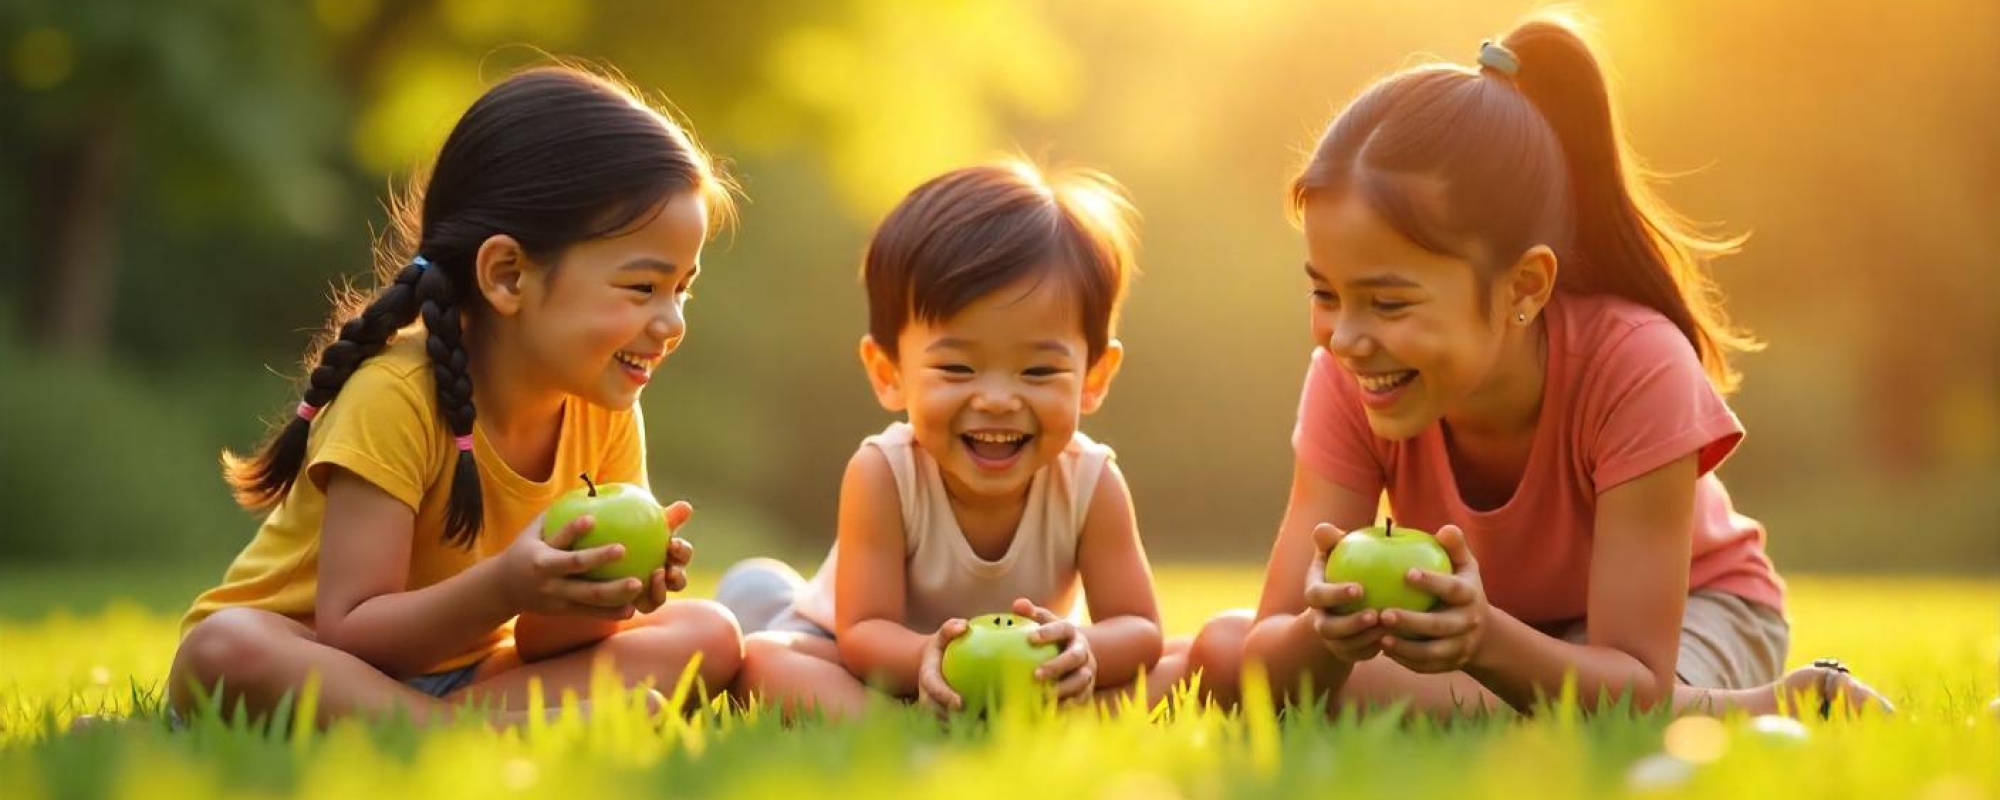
1630,242
1526,152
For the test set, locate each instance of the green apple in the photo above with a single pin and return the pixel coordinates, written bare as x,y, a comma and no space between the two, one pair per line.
1377,559
994,659
621,513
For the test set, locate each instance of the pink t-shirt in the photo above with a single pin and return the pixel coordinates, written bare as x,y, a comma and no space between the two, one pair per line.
1624,395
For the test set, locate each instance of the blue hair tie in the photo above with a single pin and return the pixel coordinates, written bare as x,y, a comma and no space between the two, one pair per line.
421,264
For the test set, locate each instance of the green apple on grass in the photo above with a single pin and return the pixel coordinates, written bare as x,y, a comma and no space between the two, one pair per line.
1378,558
621,513
994,659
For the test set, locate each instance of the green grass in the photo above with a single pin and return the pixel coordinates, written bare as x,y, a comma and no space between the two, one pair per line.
68,645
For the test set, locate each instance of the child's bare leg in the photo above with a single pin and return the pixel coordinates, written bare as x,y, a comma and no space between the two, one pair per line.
1161,679
653,648
258,656
799,673
1381,681
1216,655
1802,691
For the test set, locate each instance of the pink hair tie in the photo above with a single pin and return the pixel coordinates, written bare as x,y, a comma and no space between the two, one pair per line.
464,443
307,411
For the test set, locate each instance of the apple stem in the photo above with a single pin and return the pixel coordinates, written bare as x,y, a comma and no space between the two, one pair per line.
586,482
1389,527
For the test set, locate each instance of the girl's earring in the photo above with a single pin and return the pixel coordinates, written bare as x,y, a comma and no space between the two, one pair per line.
1521,317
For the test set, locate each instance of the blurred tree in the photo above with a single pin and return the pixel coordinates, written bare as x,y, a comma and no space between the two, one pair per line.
188,106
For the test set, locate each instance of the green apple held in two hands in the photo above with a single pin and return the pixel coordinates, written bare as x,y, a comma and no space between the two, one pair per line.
621,513
1378,558
994,658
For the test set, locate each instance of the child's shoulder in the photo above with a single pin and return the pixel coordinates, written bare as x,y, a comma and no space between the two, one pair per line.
1604,329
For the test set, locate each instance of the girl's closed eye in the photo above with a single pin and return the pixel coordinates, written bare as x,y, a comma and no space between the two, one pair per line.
1325,298
1391,306
642,288
1043,372
954,370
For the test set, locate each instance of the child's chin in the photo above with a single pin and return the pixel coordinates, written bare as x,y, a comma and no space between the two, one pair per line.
1395,430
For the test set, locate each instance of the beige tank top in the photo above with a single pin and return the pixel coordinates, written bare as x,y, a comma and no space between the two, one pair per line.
943,577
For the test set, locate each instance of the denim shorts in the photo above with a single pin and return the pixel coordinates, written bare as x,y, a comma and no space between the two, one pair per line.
436,684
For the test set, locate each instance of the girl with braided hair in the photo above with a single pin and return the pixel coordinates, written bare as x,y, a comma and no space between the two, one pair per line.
535,284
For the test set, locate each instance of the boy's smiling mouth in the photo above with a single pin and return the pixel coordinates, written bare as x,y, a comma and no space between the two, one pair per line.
995,448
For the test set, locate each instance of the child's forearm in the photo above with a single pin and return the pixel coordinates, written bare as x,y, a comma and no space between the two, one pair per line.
1521,665
404,633
1292,653
884,654
539,636
1122,646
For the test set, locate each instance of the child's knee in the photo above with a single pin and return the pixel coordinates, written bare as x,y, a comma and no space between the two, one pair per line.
237,644
710,628
1217,652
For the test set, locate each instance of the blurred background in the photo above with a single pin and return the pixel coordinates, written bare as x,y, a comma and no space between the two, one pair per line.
182,182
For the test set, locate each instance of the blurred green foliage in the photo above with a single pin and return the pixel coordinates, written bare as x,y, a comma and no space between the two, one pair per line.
181,182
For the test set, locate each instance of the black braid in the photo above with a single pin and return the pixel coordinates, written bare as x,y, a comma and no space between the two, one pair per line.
263,480
464,514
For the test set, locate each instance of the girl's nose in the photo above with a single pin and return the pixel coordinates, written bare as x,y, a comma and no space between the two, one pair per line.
669,326
1350,341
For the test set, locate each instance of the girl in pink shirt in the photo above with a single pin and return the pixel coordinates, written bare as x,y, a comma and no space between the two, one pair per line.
1518,343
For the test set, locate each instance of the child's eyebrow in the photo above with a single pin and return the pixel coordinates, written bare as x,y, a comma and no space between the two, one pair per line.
644,263
1386,280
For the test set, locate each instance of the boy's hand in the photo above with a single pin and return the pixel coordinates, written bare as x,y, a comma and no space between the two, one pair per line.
932,691
1444,639
543,577
672,577
1352,638
1073,670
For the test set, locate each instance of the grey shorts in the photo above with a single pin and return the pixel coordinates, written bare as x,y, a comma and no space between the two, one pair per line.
1727,642
760,591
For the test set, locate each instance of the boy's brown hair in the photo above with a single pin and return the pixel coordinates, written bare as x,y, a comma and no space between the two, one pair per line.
972,231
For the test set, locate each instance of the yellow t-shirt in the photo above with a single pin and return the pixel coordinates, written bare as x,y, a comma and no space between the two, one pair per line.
384,427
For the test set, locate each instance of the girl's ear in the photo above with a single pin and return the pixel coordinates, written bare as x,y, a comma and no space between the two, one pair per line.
1529,285
883,375
501,267
1097,379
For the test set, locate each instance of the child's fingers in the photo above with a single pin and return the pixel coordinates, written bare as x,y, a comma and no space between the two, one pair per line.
1062,664
1416,624
1453,541
951,629
1331,626
1431,657
677,514
1027,608
567,535
554,563
604,594
1054,630
938,692
1329,596
680,552
1077,683
1451,589
1325,536
673,580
